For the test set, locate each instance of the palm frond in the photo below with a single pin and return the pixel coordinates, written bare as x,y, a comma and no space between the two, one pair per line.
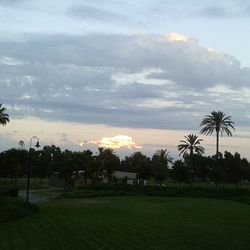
217,121
192,144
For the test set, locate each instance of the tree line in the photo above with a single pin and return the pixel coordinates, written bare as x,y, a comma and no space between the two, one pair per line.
219,168
229,168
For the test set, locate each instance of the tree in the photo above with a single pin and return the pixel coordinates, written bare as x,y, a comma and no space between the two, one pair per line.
236,168
160,162
202,167
67,166
42,164
181,172
4,118
142,166
191,144
217,169
220,123
109,162
86,162
13,163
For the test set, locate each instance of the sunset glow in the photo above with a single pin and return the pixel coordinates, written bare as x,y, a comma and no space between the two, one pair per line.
118,141
171,37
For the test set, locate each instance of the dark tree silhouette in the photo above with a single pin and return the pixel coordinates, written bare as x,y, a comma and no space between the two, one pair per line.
191,144
235,168
160,162
142,165
220,123
4,118
109,161
181,172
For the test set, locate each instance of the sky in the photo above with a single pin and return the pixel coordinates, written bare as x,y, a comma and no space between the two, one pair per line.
130,75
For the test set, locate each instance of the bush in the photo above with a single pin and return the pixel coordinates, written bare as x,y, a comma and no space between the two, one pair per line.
242,195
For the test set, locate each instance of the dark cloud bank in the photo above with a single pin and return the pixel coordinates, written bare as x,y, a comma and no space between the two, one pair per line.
132,81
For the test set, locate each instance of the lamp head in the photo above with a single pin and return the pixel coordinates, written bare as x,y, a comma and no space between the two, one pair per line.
37,145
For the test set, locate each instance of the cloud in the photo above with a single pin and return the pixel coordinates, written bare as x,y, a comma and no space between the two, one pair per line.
118,141
226,9
10,3
174,37
91,13
138,81
115,142
214,12
5,60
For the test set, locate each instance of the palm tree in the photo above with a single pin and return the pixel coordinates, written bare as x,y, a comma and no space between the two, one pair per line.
163,156
220,123
4,118
191,144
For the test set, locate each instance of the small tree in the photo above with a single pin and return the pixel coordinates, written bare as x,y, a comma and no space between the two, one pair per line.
181,172
235,167
160,163
142,165
189,148
109,161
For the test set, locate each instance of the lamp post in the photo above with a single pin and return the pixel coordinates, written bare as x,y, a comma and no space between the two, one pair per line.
29,166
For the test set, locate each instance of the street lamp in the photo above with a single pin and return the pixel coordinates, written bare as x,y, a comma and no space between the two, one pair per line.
21,144
37,145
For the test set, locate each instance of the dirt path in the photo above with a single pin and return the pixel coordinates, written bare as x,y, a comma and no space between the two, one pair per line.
34,197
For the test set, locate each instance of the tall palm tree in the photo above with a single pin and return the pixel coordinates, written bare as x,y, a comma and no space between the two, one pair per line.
191,144
4,118
220,123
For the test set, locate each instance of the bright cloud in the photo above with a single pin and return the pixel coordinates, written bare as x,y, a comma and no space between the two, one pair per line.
118,141
172,37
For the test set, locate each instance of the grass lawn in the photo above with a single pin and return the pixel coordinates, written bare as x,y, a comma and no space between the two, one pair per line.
12,208
131,223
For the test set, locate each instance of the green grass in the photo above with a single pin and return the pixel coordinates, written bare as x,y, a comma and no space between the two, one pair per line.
13,208
49,195
131,223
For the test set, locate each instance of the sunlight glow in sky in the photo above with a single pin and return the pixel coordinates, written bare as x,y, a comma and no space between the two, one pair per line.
174,37
118,141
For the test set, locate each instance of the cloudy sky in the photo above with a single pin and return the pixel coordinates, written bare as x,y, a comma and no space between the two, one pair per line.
132,75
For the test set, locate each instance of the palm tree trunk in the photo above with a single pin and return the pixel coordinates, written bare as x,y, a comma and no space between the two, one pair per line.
191,168
217,158
217,145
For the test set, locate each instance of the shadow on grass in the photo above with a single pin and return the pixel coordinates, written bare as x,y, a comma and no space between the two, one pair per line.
14,208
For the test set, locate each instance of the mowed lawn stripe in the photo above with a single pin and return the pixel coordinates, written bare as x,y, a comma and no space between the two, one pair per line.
131,223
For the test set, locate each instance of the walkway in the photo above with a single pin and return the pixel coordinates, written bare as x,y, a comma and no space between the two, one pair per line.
36,198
